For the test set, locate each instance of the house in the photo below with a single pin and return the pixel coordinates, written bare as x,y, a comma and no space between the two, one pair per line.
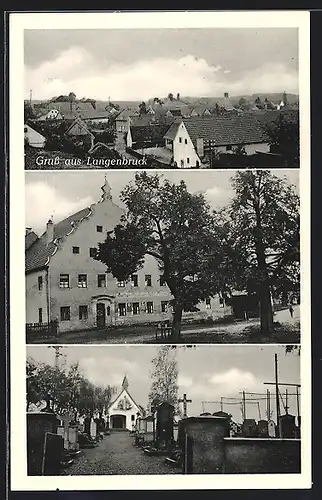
73,128
223,133
74,109
178,141
64,283
151,134
34,138
123,119
123,411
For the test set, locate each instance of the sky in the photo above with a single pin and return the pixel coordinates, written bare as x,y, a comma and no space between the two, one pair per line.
206,373
60,194
138,64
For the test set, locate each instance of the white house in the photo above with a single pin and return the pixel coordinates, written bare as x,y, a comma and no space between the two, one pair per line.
123,411
178,141
34,138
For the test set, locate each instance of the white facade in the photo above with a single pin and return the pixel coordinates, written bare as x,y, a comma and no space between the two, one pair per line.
34,138
183,150
53,114
122,413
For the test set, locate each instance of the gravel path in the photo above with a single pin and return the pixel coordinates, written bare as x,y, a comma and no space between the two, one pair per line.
115,454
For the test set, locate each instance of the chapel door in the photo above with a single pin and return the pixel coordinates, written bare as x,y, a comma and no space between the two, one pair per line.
100,314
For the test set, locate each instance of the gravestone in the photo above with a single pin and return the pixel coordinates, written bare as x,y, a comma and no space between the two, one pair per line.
93,429
175,431
87,425
287,426
66,419
249,428
164,424
271,429
202,442
73,439
149,435
38,424
52,455
262,428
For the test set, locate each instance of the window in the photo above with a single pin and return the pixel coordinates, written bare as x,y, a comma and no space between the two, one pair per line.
26,130
186,141
132,418
99,229
40,315
162,280
75,249
134,280
82,281
164,306
65,313
149,307
182,163
228,148
40,283
208,304
148,280
122,309
188,161
101,280
64,281
83,312
92,252
121,284
180,139
136,308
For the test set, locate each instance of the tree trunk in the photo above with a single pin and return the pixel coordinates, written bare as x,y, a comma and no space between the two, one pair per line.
176,321
266,312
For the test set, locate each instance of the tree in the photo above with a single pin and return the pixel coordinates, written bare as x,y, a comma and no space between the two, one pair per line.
284,138
71,98
142,108
262,238
239,150
242,101
170,96
29,113
164,376
67,388
174,226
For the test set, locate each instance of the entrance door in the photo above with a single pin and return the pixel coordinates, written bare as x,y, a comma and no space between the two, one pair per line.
100,314
118,421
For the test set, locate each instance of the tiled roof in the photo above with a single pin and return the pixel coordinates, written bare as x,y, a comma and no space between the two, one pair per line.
30,239
226,130
60,127
79,109
37,254
172,131
126,114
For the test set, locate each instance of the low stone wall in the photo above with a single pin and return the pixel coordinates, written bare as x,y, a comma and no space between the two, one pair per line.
262,456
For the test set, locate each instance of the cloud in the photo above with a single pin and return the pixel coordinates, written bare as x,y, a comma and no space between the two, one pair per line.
233,380
77,70
43,200
184,381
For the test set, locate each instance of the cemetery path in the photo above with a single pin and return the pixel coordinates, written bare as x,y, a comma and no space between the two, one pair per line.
116,454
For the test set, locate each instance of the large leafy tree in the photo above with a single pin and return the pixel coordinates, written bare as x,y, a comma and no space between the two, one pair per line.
68,388
174,226
261,230
284,137
164,376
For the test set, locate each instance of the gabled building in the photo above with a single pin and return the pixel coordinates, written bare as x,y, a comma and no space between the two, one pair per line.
123,411
34,138
65,284
178,141
123,119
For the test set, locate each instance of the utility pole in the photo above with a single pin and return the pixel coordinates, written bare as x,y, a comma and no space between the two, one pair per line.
277,398
244,405
268,405
222,404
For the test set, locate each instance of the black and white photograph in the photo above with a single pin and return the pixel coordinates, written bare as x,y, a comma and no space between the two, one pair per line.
161,98
160,220
155,257
163,410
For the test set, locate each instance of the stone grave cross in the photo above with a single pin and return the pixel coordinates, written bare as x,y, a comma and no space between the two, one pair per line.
185,402
66,418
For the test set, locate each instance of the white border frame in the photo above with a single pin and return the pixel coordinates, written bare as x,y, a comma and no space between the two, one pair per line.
259,19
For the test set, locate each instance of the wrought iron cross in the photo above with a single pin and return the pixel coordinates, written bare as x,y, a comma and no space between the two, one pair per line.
185,402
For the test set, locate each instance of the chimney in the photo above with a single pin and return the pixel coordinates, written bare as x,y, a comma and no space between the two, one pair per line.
50,231
200,147
226,95
28,230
